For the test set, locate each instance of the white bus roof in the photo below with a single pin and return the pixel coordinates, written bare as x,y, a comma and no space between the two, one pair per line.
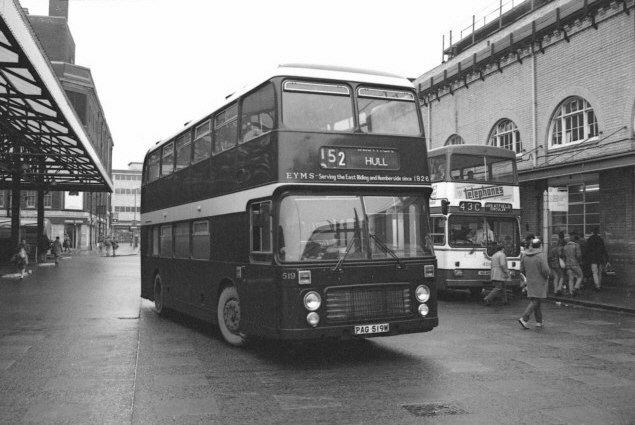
323,72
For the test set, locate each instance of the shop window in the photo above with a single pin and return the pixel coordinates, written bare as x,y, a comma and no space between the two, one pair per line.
454,139
573,122
505,134
583,210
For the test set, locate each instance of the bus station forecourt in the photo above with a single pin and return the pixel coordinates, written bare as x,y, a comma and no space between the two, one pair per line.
78,346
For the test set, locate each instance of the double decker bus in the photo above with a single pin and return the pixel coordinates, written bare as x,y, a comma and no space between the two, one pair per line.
298,209
475,206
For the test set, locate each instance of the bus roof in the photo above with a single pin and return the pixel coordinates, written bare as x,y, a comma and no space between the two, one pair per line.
472,150
325,72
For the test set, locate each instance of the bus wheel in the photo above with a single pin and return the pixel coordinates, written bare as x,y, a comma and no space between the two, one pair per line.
229,317
159,297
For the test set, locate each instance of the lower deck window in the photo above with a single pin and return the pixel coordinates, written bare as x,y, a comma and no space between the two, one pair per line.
166,241
200,240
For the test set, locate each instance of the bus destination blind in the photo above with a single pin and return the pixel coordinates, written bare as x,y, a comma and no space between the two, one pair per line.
345,158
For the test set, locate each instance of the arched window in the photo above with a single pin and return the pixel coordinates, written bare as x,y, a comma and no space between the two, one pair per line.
574,121
505,134
454,139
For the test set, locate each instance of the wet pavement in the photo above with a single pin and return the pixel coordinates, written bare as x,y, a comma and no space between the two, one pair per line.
78,346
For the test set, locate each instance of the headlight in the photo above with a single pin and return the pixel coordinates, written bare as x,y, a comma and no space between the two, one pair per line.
423,310
312,301
422,293
313,318
457,272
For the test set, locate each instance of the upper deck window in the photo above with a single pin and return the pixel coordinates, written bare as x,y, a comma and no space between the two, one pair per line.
154,162
202,141
226,129
388,112
167,162
317,106
258,113
482,168
183,151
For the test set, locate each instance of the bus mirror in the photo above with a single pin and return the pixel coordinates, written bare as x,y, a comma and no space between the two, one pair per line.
445,206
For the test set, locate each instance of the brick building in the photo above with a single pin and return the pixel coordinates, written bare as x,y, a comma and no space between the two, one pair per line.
78,215
553,80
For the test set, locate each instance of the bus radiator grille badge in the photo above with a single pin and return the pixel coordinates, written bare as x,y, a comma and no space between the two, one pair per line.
434,409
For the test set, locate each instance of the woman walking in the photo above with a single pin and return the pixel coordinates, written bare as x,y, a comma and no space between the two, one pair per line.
534,266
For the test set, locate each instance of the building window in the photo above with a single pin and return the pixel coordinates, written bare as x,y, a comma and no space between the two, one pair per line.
2,195
454,139
574,121
505,134
30,199
48,200
583,210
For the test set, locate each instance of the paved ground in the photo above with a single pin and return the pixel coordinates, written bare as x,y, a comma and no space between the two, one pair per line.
77,346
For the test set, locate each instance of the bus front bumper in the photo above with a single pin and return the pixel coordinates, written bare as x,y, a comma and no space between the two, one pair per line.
347,331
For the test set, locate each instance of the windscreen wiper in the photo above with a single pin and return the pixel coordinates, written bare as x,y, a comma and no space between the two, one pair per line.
338,266
386,249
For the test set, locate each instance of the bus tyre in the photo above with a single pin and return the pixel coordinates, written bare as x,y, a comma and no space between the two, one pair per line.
159,296
229,317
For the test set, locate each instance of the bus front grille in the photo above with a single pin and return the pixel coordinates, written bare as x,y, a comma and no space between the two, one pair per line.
359,303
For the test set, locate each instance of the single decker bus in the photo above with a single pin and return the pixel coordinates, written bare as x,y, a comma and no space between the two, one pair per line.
475,206
298,209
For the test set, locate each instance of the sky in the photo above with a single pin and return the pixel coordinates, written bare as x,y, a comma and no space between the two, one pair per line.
158,64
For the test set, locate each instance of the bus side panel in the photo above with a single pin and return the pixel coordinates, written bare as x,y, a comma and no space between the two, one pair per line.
260,299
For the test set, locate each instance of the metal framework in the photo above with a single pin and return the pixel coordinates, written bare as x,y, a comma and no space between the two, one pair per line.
43,144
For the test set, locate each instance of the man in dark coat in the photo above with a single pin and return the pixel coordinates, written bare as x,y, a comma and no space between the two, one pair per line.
597,256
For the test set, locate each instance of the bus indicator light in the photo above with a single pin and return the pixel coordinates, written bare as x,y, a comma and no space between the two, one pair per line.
304,277
423,310
428,270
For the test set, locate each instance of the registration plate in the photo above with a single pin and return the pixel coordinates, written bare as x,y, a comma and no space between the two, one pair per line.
483,272
371,329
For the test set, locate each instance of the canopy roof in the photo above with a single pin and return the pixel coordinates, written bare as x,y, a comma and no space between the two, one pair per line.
42,141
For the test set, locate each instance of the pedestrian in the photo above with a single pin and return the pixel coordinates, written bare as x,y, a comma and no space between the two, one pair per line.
57,250
115,245
572,257
536,270
44,244
21,258
107,245
499,276
66,243
597,257
557,273
100,243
